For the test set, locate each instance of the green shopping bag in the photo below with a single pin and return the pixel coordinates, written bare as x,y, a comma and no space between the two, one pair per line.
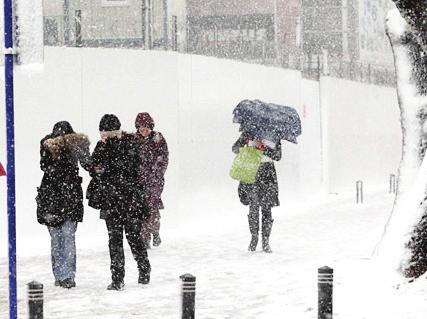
246,164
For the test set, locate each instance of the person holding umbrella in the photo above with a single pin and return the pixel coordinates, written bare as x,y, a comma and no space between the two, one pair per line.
263,126
264,193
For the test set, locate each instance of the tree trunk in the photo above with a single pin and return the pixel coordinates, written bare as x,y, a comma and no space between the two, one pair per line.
405,240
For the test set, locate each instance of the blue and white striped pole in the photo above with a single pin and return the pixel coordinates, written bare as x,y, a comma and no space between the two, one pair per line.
10,136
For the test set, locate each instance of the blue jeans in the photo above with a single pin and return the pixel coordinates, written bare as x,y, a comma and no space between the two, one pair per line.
63,250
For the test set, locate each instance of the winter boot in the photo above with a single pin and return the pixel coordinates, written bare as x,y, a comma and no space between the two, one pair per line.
116,285
144,278
267,223
254,229
156,240
67,283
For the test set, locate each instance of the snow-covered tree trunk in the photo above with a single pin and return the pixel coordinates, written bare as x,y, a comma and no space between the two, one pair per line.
405,242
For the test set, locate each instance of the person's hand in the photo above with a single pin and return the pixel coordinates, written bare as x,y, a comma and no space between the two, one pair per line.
260,145
247,136
98,169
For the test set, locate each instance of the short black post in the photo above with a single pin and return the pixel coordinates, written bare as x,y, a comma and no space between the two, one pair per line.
392,184
35,300
359,192
188,296
324,285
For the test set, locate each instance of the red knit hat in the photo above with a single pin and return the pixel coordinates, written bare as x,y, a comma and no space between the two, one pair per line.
144,120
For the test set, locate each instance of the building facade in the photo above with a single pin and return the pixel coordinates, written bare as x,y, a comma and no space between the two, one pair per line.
257,30
114,23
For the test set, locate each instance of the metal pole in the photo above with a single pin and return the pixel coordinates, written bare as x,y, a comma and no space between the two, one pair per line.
165,25
144,23
35,300
66,22
188,296
392,183
276,35
78,19
10,137
359,192
149,24
325,289
175,33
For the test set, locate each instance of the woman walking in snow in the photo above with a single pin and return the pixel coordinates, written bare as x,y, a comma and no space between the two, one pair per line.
60,196
264,193
116,190
154,157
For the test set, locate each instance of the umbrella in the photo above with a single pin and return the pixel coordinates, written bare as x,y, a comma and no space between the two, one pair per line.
268,121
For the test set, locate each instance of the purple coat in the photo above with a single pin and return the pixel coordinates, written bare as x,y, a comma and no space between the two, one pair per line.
154,156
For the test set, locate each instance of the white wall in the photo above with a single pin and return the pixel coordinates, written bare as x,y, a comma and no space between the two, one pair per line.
191,99
362,135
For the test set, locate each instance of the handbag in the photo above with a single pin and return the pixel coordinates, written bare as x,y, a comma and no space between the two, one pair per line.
246,164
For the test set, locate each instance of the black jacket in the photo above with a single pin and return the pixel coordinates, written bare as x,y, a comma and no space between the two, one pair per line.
115,187
60,196
265,191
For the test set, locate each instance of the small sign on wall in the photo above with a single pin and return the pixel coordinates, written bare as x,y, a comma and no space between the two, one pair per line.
115,3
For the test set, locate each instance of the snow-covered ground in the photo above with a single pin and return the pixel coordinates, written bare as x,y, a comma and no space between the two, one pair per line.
231,282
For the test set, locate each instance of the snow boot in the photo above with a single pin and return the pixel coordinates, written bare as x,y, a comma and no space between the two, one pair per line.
254,229
267,223
67,283
116,285
144,278
156,240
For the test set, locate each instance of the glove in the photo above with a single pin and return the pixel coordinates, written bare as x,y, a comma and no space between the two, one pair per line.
261,147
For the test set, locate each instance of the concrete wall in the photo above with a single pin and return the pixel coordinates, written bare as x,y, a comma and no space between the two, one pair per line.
361,132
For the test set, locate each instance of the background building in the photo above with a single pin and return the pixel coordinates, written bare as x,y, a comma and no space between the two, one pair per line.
260,30
112,23
341,38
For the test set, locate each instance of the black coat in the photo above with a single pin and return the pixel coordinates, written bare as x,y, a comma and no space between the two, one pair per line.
265,191
60,196
115,187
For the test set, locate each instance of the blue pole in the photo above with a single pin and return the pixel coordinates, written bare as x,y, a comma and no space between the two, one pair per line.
10,136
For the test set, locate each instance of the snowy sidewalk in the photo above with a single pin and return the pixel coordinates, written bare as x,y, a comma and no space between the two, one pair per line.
231,282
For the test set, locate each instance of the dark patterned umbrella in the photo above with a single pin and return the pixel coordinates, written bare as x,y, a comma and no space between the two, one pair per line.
268,121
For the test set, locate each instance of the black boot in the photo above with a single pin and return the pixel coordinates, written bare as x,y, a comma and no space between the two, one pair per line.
116,285
267,223
253,220
144,278
67,283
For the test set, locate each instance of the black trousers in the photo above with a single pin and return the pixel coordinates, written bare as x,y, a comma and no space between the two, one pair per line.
132,229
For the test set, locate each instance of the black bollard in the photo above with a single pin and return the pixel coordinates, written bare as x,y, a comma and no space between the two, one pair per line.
359,192
324,285
35,300
188,296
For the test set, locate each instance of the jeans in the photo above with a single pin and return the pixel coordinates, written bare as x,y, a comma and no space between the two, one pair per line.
63,250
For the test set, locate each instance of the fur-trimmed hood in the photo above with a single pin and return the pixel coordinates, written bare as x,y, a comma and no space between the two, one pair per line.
68,141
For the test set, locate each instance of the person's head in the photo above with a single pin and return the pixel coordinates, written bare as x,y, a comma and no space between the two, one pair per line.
109,123
62,128
144,123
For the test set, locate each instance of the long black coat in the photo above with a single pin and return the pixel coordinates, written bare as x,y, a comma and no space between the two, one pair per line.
115,187
265,191
60,195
